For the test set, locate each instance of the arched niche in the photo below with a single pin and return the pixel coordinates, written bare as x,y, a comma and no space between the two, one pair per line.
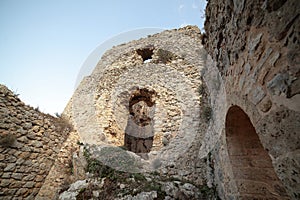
139,131
253,172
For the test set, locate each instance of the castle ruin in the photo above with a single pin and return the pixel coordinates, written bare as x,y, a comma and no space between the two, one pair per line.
219,108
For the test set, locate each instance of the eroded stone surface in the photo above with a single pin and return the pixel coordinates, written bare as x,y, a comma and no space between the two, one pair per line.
30,141
251,48
164,119
252,62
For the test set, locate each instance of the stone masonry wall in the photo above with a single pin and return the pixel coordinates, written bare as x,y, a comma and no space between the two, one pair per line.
29,144
169,65
228,116
255,46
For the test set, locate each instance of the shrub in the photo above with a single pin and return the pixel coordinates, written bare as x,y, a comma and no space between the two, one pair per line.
7,140
65,185
86,193
57,115
201,89
62,125
207,113
165,56
139,177
97,168
70,167
209,193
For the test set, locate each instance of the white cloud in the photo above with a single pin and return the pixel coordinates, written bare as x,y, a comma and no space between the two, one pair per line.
180,8
184,24
194,6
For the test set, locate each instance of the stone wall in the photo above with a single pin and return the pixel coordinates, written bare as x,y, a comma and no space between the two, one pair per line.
226,116
29,144
255,47
64,169
169,66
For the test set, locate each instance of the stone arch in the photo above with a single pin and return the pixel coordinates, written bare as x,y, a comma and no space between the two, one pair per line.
253,172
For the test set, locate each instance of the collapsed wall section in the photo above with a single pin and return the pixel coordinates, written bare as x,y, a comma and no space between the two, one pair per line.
168,65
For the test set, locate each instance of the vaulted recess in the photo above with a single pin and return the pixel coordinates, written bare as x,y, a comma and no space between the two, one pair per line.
253,172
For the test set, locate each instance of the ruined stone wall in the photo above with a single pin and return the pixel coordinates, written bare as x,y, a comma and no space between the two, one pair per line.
228,118
168,65
255,47
63,170
29,144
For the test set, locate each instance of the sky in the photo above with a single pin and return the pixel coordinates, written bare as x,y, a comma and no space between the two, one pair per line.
47,45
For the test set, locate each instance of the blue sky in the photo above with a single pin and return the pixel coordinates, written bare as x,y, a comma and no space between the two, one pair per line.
44,43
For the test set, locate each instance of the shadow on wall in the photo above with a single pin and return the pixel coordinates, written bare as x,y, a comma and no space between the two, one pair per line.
253,172
139,132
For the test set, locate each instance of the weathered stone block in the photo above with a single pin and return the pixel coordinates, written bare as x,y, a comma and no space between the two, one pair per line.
27,125
5,183
279,84
265,105
253,43
10,167
257,94
294,88
29,184
29,177
17,176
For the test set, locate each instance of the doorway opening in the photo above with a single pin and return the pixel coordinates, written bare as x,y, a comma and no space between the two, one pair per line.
139,131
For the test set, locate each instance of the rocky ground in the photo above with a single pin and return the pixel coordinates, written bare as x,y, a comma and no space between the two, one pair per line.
105,182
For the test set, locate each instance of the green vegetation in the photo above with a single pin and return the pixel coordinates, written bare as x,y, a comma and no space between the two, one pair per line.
207,113
119,159
209,193
138,177
7,140
70,168
204,102
201,90
15,92
86,193
62,125
37,109
99,169
57,115
165,56
132,183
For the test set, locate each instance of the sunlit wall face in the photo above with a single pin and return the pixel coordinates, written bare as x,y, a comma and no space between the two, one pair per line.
94,57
